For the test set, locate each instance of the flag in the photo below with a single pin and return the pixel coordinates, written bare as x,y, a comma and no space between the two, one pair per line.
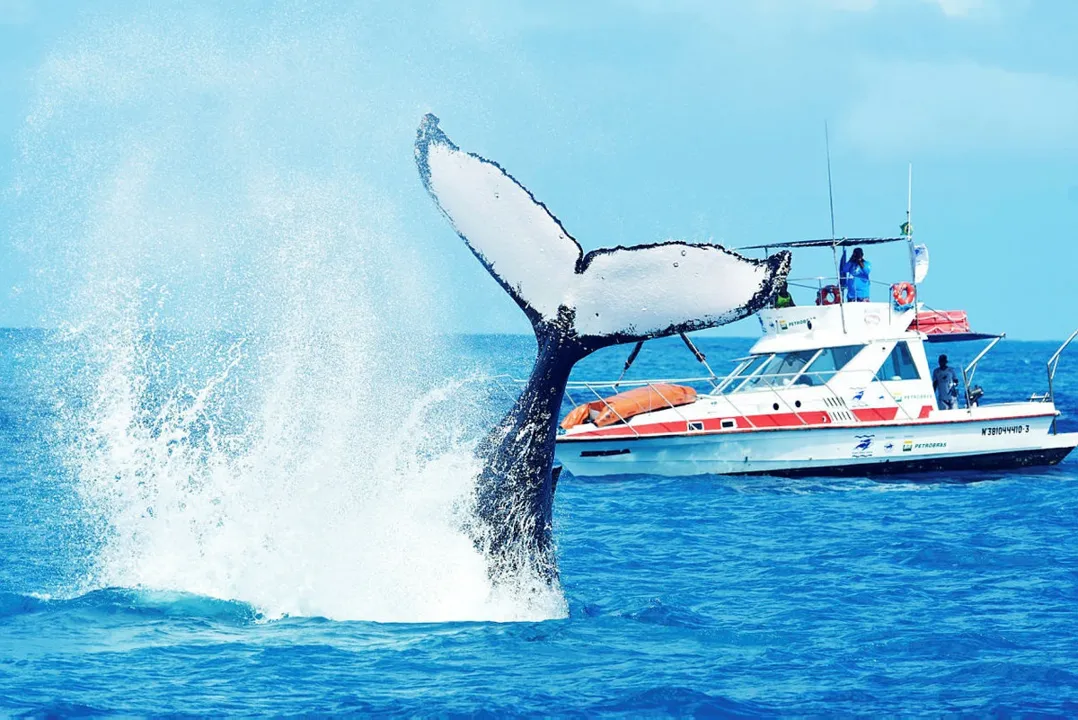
906,229
920,263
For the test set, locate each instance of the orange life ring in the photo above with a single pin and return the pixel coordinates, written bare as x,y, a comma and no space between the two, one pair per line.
829,295
903,294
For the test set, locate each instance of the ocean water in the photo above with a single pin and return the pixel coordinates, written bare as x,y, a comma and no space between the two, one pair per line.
235,471
202,525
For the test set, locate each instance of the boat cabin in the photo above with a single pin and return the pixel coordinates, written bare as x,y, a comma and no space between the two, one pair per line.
841,386
834,362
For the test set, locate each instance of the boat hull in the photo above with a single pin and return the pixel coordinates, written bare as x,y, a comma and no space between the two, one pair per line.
833,451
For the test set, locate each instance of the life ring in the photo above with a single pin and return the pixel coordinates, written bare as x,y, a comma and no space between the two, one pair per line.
829,295
904,294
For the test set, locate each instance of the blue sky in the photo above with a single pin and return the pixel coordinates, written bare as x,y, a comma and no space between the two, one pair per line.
633,121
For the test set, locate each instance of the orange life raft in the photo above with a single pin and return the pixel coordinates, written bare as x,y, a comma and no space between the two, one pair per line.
630,403
941,322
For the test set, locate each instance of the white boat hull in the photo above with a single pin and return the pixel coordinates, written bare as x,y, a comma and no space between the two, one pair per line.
965,443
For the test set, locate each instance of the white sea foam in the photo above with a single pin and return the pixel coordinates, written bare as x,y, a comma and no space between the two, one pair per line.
260,412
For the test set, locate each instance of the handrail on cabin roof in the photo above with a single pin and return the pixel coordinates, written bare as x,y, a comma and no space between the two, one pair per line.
827,242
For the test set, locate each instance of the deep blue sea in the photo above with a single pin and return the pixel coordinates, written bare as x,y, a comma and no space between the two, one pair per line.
201,527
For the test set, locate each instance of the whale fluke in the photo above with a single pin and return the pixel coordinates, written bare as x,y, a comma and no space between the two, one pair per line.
611,295
577,302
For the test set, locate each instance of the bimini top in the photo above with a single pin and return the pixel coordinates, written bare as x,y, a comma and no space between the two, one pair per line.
829,242
961,337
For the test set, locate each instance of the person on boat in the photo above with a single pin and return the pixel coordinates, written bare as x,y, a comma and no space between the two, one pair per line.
783,298
945,383
855,276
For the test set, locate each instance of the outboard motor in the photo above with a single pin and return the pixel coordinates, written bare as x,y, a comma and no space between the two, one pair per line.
975,395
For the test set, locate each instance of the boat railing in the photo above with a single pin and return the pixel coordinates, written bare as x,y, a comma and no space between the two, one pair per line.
609,407
823,376
819,282
594,386
1053,364
971,369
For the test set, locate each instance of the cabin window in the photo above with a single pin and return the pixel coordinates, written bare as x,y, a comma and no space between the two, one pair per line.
780,370
737,378
829,362
746,370
899,365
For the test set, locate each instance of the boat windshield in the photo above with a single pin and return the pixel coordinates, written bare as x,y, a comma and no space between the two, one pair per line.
779,371
803,367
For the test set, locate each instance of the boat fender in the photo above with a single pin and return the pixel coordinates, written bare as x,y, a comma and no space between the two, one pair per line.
904,294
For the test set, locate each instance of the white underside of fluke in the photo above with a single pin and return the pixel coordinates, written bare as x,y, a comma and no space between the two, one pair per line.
643,291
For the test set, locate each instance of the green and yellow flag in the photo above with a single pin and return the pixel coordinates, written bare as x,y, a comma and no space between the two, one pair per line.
906,229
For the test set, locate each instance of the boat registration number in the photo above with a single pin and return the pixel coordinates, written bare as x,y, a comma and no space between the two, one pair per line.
1004,430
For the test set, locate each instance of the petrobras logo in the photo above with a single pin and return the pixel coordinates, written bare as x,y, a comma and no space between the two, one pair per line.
910,445
802,324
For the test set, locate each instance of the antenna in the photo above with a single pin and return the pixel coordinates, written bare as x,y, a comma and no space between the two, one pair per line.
909,229
830,194
834,250
909,201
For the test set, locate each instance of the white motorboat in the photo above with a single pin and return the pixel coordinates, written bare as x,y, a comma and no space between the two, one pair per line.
835,388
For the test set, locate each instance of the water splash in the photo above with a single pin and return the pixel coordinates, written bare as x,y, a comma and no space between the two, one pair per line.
258,408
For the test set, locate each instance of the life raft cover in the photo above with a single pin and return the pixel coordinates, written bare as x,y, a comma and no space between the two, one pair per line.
941,322
628,404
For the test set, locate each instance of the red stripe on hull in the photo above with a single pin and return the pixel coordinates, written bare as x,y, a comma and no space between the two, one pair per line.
778,421
876,414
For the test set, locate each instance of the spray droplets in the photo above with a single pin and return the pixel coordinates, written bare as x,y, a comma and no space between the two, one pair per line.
275,427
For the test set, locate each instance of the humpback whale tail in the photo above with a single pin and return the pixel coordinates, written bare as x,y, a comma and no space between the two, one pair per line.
577,303
604,297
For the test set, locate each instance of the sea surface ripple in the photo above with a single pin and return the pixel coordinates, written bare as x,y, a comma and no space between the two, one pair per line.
737,597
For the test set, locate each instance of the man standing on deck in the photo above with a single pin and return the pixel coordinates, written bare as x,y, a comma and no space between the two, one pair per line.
945,383
855,276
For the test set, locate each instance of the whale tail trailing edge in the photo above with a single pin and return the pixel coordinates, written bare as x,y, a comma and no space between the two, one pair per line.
599,298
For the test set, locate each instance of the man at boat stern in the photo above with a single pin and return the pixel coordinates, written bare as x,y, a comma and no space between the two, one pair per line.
945,383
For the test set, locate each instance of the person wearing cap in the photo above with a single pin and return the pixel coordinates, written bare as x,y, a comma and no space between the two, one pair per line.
855,276
945,383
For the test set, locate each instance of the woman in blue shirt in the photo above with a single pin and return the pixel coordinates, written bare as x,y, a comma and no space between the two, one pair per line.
855,277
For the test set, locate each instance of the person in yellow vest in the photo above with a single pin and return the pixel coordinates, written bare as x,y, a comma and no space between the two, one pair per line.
783,298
